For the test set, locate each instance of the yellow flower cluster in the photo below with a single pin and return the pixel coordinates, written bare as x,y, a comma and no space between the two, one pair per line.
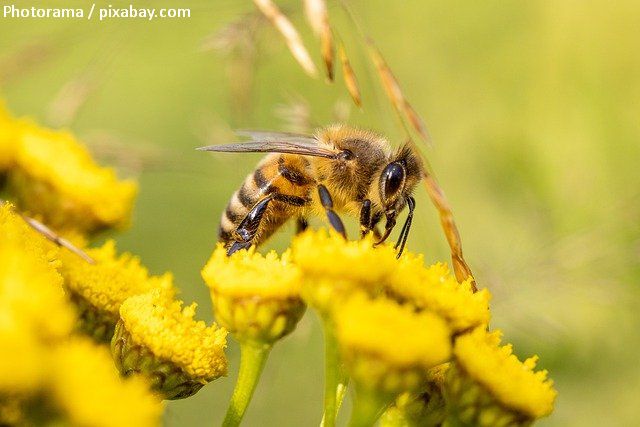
394,320
512,383
170,333
255,297
100,289
52,175
84,385
40,361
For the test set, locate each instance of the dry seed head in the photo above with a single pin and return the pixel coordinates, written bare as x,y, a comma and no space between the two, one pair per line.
290,34
349,76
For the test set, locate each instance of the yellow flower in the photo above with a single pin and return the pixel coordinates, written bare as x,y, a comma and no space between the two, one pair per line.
334,267
31,293
389,347
86,389
489,386
54,176
7,139
99,289
256,297
434,288
159,338
21,369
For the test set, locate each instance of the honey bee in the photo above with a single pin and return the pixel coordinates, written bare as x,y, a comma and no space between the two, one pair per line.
341,169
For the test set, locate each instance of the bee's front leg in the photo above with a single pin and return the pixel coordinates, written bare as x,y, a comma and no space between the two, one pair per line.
327,204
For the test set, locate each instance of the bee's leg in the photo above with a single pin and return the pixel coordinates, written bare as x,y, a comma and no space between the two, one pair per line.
247,229
327,204
301,224
377,234
365,218
404,234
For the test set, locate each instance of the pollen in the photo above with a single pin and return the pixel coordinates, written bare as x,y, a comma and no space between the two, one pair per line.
171,333
513,383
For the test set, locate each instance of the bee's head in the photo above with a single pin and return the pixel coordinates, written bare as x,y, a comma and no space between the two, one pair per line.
398,179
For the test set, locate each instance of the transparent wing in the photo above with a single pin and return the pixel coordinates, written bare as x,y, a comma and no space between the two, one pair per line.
275,142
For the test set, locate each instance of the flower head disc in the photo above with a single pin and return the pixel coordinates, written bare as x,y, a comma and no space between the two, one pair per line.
158,338
86,390
434,288
389,347
256,297
72,192
99,289
505,389
334,267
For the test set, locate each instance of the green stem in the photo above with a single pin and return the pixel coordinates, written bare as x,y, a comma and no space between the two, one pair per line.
368,406
335,383
252,360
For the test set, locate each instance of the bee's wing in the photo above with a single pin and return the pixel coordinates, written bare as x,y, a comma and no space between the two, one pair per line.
275,142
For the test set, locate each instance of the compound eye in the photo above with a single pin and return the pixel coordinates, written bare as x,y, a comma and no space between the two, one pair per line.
392,180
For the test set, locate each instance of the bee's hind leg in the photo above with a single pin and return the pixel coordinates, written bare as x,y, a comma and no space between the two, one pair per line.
247,229
327,204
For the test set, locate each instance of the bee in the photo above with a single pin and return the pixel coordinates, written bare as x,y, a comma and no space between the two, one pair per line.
340,169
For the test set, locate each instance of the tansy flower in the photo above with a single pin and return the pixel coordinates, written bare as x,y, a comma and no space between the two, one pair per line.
387,349
158,338
98,290
55,177
7,140
256,297
434,288
489,386
387,346
31,293
86,390
334,267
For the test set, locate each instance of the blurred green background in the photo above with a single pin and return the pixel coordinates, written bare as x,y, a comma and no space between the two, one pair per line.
534,110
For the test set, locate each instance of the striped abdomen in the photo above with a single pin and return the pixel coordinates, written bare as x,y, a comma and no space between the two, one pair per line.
287,177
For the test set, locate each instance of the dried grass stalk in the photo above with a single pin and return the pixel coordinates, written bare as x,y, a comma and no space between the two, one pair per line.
460,266
318,17
395,94
290,34
349,76
52,235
